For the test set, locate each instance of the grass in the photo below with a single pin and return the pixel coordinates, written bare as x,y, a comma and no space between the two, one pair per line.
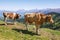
55,32
7,33
1,22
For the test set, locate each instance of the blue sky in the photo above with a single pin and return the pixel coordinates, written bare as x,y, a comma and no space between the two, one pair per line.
14,5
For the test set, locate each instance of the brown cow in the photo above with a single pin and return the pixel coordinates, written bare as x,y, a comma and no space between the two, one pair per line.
38,18
10,15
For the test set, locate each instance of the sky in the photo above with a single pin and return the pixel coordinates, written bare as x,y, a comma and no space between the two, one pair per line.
14,5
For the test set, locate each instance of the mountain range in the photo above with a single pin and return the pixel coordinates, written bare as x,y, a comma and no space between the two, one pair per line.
22,12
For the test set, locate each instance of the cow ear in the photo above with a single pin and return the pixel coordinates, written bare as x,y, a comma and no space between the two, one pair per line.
20,15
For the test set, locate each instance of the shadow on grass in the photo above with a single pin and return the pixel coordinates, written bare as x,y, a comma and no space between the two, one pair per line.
2,24
7,24
25,31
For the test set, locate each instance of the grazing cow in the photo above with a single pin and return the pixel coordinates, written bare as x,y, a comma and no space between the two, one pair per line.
10,15
38,19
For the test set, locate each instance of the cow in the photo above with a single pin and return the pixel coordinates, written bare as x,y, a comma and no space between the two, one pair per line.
38,19
10,15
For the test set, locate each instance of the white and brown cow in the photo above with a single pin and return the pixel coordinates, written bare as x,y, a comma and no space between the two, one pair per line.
38,18
10,15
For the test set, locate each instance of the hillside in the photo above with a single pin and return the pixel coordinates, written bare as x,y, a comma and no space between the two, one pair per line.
18,32
56,18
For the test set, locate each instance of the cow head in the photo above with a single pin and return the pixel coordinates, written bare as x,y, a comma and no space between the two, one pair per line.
49,19
18,16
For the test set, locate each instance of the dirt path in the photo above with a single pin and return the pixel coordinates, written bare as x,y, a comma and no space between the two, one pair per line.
19,26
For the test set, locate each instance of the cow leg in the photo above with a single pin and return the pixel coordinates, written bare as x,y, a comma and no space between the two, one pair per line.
37,29
26,25
5,20
15,21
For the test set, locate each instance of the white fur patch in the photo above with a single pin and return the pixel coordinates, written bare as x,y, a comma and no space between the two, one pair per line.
5,13
14,14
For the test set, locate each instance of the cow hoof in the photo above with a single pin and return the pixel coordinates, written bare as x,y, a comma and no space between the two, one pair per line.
14,23
38,34
5,24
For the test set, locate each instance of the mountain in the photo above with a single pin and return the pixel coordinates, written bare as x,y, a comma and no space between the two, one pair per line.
45,11
39,10
22,11
50,10
1,13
